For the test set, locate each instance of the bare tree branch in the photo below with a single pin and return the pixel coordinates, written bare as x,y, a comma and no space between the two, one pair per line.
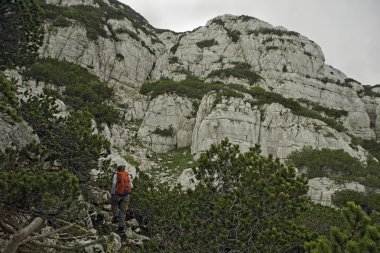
16,239
74,247
37,237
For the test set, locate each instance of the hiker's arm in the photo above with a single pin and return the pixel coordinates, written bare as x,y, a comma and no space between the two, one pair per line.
131,182
114,180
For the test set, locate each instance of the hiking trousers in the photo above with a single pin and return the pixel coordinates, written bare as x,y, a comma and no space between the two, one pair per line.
119,204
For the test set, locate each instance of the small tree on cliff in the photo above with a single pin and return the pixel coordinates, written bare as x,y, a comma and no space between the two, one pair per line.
21,32
358,236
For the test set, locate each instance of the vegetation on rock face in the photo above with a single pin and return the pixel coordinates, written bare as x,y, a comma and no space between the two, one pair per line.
187,88
369,202
241,202
83,89
21,32
61,73
240,70
207,43
267,97
70,140
40,184
166,132
197,89
337,164
233,34
330,112
272,31
367,91
95,19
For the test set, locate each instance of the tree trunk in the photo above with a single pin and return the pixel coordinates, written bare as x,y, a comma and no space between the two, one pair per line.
16,239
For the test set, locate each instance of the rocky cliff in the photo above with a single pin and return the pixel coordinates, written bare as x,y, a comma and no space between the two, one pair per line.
119,46
288,63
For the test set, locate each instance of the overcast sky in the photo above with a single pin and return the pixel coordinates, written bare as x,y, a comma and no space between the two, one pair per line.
348,31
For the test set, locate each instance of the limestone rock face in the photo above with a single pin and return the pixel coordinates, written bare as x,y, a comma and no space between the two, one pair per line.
14,134
373,110
124,62
321,189
289,63
274,127
168,113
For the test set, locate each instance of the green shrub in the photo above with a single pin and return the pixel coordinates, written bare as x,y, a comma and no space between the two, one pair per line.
207,43
94,19
319,219
166,132
61,21
328,163
367,201
234,35
234,188
268,48
60,73
188,88
367,91
337,164
217,21
272,31
359,234
240,70
173,60
83,89
330,112
131,160
8,99
266,97
337,82
174,48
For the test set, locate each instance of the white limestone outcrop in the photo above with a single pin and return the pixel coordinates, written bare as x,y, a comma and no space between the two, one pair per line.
321,189
171,113
15,134
274,127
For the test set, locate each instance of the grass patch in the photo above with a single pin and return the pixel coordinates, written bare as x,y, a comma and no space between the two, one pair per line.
131,160
176,161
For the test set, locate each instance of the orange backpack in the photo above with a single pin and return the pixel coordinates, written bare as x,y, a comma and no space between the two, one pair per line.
123,186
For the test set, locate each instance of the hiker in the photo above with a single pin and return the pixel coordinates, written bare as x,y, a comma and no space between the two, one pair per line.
121,190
